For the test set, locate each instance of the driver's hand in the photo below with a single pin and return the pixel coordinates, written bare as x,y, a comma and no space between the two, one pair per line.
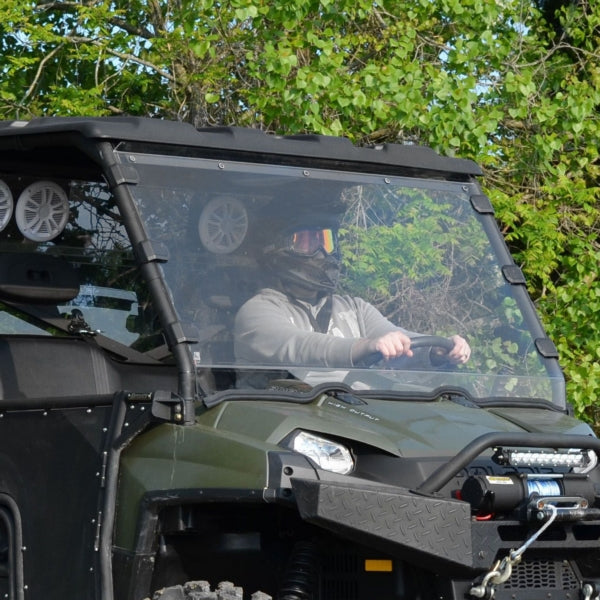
461,352
392,345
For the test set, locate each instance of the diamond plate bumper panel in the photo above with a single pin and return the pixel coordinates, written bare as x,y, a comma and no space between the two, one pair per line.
391,519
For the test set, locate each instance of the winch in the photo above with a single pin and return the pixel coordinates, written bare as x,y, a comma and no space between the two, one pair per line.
572,494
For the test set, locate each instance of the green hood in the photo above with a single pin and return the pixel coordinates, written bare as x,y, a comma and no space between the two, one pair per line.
409,429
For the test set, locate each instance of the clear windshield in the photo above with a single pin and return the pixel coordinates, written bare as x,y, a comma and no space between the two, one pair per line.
371,254
282,277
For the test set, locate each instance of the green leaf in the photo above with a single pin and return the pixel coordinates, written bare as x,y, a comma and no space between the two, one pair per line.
211,97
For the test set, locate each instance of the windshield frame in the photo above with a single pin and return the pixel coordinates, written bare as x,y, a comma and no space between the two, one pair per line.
471,190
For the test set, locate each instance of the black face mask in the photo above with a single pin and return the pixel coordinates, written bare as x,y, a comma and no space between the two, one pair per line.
318,273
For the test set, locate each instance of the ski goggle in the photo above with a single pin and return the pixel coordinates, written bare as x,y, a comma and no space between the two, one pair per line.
307,242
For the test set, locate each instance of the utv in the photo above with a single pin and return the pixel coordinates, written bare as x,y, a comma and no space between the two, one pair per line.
155,443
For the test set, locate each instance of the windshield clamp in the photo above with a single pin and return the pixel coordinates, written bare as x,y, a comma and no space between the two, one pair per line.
118,174
147,251
513,274
482,204
546,347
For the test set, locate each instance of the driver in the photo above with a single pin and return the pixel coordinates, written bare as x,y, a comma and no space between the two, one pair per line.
300,320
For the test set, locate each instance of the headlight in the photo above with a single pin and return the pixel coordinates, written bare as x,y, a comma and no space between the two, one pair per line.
329,455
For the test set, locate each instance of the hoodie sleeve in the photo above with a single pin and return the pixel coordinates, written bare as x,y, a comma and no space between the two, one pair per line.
269,330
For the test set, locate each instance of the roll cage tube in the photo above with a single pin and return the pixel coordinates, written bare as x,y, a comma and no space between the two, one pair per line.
148,260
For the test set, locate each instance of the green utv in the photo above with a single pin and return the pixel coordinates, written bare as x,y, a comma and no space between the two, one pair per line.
193,392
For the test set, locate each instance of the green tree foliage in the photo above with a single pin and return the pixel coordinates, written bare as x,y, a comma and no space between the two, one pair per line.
514,84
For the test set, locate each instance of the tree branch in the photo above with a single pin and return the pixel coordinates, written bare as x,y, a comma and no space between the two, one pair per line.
64,7
39,70
126,56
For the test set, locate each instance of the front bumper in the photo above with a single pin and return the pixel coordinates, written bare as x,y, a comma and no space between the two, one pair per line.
391,519
437,532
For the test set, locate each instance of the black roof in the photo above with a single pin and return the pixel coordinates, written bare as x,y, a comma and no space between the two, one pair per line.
136,131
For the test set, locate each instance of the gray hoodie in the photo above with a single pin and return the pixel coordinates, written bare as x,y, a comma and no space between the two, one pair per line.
270,329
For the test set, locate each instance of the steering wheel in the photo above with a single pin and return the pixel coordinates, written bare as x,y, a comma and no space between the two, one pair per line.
421,341
437,341
375,360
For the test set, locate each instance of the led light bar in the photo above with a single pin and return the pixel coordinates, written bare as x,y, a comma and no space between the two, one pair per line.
572,458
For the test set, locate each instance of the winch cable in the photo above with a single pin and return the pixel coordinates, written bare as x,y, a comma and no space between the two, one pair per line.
501,570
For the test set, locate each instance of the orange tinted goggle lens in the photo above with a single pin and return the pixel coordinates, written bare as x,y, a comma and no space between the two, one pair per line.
308,241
